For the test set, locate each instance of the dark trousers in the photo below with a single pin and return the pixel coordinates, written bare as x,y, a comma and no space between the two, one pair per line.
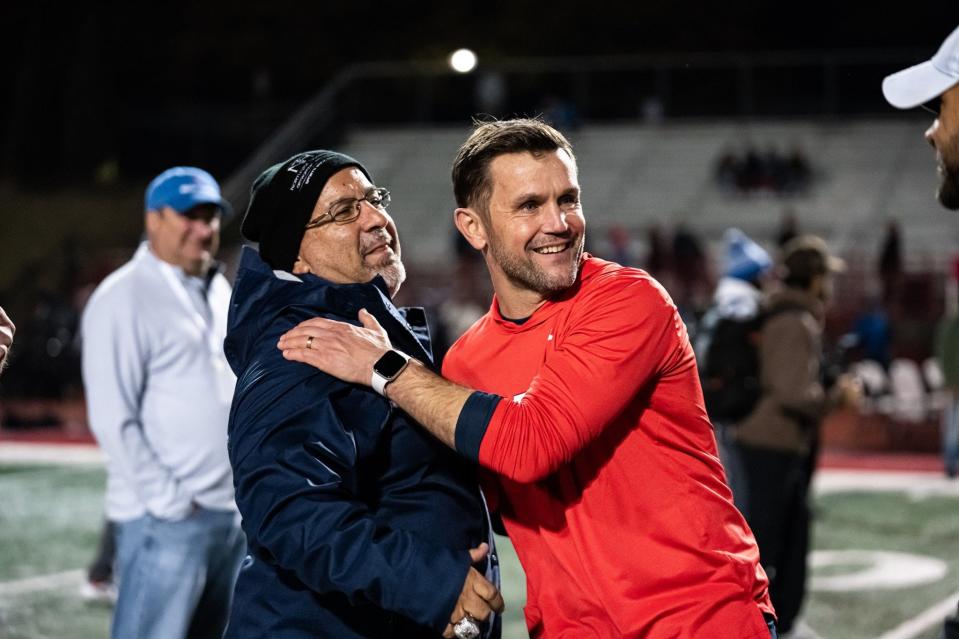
950,629
101,570
777,510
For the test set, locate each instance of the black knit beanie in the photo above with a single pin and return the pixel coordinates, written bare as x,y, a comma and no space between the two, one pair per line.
282,200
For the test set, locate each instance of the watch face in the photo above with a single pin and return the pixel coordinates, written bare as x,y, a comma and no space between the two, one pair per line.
390,365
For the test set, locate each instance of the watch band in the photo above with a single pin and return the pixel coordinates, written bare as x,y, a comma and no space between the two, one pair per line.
379,380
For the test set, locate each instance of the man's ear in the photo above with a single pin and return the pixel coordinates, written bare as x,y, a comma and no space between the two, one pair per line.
151,220
472,226
300,266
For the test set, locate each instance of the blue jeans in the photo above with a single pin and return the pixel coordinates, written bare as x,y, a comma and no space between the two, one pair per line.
177,577
772,628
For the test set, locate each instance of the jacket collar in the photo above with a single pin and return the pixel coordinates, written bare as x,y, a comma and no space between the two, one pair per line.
261,291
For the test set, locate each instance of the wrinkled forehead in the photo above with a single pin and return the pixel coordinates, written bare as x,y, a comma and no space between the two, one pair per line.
347,183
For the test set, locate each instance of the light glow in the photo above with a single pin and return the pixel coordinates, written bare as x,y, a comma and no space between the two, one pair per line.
463,60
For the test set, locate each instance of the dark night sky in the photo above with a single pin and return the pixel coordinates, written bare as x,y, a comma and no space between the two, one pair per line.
206,49
85,79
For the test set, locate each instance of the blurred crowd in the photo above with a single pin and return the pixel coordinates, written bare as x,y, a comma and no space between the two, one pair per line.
754,171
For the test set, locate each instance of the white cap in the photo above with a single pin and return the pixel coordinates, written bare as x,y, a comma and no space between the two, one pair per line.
911,87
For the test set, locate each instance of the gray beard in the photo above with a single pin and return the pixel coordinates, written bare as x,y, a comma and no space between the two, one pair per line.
394,274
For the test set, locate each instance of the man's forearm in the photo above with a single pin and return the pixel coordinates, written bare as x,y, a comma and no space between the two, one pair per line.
349,352
431,400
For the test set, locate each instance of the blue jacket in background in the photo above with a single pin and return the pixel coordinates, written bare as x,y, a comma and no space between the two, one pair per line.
358,522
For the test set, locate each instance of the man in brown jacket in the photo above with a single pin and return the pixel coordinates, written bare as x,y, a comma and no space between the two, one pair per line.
776,442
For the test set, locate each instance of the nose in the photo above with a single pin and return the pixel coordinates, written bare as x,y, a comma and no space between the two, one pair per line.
205,228
372,217
931,133
555,220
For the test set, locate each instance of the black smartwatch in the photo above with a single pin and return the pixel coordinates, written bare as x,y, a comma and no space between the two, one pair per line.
386,369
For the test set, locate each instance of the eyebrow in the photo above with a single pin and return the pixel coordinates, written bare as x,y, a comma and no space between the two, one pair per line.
536,197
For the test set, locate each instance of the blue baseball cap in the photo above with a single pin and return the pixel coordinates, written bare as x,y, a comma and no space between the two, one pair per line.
745,260
183,187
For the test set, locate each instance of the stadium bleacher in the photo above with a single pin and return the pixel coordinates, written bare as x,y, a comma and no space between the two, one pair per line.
865,172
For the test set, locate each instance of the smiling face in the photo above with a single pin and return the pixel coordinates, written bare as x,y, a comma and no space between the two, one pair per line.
943,135
533,230
357,251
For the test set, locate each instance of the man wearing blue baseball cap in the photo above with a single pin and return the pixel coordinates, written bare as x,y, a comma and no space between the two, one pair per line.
934,85
158,391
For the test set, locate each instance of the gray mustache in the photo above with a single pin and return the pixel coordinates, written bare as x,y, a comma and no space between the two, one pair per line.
372,239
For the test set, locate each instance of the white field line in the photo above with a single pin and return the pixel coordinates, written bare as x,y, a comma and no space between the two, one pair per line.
43,582
927,619
30,453
803,631
915,484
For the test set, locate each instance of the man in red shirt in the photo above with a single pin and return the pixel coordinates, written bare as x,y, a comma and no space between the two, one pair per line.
592,419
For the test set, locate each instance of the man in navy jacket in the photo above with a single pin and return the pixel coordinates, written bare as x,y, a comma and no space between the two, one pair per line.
359,524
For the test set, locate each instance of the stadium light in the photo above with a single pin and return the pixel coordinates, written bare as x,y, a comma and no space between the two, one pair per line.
463,60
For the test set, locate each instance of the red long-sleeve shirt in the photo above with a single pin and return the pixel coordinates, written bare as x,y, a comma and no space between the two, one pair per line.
608,480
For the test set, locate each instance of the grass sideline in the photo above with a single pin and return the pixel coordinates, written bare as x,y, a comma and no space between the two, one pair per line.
52,515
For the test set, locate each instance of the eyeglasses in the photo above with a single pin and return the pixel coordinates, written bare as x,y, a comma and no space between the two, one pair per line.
346,210
933,106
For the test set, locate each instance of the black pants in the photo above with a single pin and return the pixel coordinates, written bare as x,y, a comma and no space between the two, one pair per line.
777,510
101,570
950,629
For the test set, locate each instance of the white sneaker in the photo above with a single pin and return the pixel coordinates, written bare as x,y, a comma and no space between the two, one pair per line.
104,592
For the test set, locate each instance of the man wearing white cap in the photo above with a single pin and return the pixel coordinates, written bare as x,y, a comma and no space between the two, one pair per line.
933,85
158,392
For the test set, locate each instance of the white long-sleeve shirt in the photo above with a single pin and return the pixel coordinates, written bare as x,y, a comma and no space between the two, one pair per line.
159,389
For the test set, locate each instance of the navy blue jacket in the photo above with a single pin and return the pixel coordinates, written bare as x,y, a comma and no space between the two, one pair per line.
358,522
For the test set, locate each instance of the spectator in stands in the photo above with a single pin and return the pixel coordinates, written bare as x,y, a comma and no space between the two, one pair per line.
890,263
798,171
788,227
769,171
158,394
619,245
693,285
727,171
776,442
359,523
610,487
657,261
7,330
734,314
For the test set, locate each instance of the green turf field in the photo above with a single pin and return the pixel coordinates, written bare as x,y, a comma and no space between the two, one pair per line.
50,518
